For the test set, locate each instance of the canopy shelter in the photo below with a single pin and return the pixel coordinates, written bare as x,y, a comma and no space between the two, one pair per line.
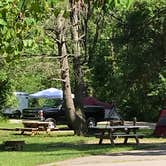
51,93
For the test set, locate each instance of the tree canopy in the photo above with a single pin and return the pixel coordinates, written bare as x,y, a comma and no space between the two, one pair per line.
122,51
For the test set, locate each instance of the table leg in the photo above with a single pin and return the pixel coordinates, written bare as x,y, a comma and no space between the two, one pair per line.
127,131
137,140
111,139
101,137
125,140
22,132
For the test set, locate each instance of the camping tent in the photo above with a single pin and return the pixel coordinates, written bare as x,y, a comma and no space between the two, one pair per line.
48,93
110,108
160,129
93,101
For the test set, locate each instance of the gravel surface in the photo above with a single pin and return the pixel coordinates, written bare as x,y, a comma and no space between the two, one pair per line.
152,157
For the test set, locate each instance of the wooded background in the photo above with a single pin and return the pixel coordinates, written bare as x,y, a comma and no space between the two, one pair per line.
122,51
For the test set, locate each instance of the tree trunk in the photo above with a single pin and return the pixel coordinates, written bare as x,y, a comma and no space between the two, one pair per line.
74,120
80,89
75,6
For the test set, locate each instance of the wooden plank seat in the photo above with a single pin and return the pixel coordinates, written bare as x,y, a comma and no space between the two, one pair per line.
98,135
13,145
128,135
33,130
8,129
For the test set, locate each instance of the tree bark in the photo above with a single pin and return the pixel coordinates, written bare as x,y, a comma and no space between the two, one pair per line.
80,90
74,120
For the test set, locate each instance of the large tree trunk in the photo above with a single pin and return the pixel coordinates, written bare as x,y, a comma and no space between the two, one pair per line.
74,120
76,7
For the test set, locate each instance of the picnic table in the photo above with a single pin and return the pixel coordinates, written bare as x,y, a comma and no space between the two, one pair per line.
121,131
35,126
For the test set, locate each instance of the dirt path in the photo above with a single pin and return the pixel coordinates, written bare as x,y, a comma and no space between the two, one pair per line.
152,157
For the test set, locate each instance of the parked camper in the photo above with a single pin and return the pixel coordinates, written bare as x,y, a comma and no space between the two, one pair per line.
23,100
16,112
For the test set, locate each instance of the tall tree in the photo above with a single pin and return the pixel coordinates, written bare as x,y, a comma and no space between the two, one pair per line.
75,13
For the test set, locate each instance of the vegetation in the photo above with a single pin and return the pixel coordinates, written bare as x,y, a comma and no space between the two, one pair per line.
117,54
130,52
112,50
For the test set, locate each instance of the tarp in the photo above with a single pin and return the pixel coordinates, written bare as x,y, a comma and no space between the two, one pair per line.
48,93
93,101
160,129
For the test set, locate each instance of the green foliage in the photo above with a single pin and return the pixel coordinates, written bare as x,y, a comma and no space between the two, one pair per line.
128,63
124,51
10,45
22,36
143,56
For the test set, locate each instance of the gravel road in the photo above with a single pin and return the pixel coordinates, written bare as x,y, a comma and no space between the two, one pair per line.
152,157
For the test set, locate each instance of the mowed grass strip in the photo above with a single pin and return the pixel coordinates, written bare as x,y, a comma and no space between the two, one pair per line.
61,145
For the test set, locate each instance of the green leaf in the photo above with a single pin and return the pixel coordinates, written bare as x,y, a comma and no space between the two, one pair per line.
2,22
30,21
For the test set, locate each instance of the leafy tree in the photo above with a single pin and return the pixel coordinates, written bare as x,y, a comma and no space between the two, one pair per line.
24,47
135,61
10,31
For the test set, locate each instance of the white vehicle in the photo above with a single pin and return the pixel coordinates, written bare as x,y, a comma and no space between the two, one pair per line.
23,100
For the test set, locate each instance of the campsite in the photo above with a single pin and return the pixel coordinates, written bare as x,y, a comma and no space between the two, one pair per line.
82,82
61,143
58,146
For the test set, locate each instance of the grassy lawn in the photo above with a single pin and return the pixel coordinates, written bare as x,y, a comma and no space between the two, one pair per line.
44,148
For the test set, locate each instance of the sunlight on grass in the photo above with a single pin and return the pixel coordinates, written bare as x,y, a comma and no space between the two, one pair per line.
61,145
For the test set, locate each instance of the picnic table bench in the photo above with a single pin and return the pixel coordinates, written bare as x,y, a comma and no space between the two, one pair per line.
113,132
23,129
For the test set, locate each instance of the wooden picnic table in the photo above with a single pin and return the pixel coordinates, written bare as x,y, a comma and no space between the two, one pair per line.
35,126
113,132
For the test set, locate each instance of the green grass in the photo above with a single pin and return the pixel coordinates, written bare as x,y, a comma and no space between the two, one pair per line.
44,148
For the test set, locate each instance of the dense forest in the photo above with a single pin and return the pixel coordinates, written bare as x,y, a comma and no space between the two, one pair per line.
121,51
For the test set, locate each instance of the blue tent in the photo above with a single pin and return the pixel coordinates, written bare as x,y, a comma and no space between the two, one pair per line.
51,93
